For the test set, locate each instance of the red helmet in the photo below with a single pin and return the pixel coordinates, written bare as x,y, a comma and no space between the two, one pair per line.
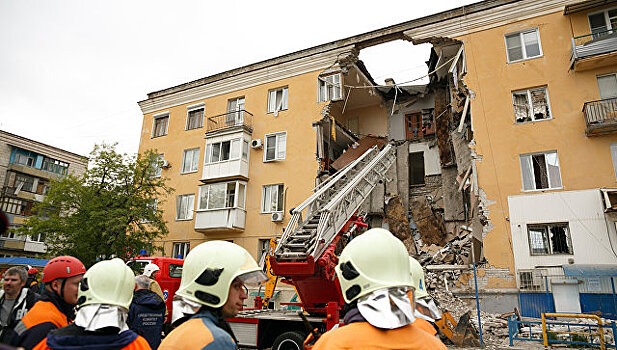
33,271
62,267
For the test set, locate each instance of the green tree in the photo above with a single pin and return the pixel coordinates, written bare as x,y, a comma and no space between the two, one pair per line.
109,211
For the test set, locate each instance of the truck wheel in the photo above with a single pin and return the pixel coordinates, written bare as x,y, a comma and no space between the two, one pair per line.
289,341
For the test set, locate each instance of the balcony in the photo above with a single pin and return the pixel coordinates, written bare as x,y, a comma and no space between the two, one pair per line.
595,50
230,121
224,219
600,116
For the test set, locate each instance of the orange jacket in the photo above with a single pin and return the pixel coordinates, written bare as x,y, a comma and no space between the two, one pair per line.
362,335
425,326
139,343
40,320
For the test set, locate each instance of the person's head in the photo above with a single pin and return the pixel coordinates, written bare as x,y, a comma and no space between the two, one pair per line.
32,272
108,282
417,278
61,276
215,273
372,261
142,282
151,270
14,280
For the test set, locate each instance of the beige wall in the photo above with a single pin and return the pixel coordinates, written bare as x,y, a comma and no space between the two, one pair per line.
585,162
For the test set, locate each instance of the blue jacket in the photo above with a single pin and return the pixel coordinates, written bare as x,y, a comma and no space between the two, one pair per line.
73,337
146,316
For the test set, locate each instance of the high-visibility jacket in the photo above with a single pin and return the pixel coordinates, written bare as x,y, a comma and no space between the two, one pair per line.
199,332
38,322
73,337
362,335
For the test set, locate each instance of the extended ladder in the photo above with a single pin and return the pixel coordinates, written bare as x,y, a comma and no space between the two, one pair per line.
316,221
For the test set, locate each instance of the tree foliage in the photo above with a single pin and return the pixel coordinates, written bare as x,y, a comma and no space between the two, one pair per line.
109,211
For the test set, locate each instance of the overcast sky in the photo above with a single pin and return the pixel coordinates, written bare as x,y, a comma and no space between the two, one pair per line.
72,71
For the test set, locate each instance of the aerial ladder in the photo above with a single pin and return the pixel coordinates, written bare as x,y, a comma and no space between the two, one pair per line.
304,255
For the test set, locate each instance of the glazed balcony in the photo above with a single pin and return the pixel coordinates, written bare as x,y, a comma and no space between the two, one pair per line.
600,116
222,220
595,50
230,121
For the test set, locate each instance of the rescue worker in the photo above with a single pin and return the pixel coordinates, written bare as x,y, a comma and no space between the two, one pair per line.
151,270
33,282
104,297
54,310
147,312
214,276
425,317
15,300
373,272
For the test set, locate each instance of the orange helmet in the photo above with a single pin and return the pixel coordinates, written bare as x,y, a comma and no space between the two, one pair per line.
33,271
62,267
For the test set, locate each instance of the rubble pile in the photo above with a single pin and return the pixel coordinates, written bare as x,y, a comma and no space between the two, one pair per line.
456,251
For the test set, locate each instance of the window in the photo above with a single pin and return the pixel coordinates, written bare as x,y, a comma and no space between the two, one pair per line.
263,248
523,45
190,160
277,100
614,157
39,237
160,125
603,23
416,168
275,146
419,125
16,206
607,84
540,171
180,249
55,166
222,195
24,183
184,207
23,157
545,239
223,151
151,210
531,105
330,87
195,118
235,111
272,198
158,165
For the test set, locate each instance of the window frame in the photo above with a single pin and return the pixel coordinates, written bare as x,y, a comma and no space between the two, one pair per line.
532,179
325,93
530,105
239,196
607,22
190,207
155,119
278,153
158,165
523,47
274,107
280,198
200,123
180,247
194,166
547,239
210,148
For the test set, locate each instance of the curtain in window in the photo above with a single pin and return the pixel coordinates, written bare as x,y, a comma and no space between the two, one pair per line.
234,152
271,147
281,145
185,206
538,240
552,164
216,196
515,49
527,170
532,44
241,190
608,86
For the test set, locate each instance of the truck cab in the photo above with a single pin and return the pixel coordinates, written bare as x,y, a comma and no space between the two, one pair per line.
168,277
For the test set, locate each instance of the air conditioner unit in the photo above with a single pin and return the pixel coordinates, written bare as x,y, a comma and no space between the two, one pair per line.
165,164
277,217
256,143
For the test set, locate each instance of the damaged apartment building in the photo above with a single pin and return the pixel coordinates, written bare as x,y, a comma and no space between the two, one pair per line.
505,157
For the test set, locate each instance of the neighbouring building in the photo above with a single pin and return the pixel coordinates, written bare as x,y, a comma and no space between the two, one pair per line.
26,169
513,142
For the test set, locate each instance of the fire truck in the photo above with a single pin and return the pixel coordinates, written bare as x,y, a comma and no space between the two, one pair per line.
307,252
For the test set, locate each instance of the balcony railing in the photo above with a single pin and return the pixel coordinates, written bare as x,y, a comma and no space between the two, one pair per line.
236,119
600,116
593,45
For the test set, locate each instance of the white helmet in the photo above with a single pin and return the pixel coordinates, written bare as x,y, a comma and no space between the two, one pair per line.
374,260
150,268
210,268
417,278
108,282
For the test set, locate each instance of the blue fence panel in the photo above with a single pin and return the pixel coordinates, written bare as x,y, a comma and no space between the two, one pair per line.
604,303
534,304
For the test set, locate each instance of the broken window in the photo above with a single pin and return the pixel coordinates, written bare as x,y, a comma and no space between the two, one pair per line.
540,171
24,183
531,105
277,100
545,239
523,45
23,157
195,118
330,87
160,125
